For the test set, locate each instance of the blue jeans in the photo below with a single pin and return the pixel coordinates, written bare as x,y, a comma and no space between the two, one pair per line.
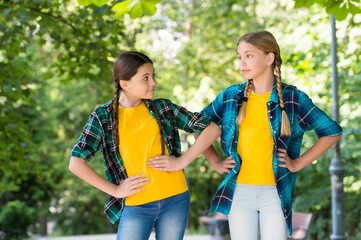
168,216
253,206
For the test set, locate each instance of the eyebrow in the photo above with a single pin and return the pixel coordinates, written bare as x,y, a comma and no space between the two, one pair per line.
147,73
244,52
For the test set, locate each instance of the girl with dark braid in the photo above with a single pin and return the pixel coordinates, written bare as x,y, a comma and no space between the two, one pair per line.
130,130
262,123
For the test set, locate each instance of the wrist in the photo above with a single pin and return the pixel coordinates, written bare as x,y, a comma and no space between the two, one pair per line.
114,189
215,161
298,164
183,161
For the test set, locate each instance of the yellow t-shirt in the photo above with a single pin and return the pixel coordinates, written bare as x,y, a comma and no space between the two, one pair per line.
139,140
255,143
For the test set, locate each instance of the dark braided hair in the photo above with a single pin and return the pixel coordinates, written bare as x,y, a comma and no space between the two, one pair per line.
125,67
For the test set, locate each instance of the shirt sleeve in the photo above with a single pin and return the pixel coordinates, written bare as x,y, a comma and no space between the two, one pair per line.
313,118
214,109
89,142
192,122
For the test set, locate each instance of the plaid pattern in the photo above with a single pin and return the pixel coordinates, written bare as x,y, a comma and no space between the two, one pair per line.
303,116
97,133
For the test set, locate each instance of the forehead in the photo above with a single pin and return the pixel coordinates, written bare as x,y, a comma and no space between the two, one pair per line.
146,68
244,47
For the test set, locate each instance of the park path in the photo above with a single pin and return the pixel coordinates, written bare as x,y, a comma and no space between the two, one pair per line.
113,237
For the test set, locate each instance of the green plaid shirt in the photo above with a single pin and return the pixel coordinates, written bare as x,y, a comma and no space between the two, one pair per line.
97,133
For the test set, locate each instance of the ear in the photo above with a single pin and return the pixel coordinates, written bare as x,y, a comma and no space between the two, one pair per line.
123,84
270,58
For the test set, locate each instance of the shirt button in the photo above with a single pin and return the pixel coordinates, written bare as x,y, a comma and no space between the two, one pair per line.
274,131
280,195
271,117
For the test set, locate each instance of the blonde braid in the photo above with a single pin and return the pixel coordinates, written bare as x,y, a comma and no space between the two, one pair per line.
285,122
242,110
115,114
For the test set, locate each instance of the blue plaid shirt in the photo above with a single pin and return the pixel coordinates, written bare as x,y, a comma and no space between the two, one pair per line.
303,116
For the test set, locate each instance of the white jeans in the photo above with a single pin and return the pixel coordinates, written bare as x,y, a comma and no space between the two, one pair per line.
255,205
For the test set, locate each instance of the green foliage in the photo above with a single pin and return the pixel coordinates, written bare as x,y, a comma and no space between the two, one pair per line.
15,218
81,206
340,8
135,8
51,53
55,67
205,63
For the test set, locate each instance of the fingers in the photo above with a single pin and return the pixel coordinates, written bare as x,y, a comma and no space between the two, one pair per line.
282,150
135,177
228,163
157,164
229,160
158,161
165,163
139,182
134,191
227,170
131,185
159,157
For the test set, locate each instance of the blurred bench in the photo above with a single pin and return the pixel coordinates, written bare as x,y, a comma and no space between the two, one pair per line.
301,225
217,226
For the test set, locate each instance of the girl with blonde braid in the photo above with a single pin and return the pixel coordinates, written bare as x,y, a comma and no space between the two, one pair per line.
133,132
262,123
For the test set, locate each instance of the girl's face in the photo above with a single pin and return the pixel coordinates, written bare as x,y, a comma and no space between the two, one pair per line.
142,84
254,63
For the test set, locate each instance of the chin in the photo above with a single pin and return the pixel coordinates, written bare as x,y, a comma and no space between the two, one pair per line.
149,96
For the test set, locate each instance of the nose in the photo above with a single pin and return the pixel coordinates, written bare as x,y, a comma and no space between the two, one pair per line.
153,83
242,62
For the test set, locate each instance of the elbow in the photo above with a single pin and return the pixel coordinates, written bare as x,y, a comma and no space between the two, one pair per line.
71,165
74,164
217,129
335,139
339,136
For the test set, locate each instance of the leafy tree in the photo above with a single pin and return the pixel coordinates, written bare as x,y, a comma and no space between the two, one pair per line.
50,53
16,213
55,67
204,62
340,8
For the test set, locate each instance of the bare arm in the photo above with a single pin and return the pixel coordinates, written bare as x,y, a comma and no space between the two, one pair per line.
171,163
128,187
316,151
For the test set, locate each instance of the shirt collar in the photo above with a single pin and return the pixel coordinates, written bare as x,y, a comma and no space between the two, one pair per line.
147,103
109,105
274,94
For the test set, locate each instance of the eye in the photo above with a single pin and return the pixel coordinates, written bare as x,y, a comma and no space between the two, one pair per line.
145,79
249,56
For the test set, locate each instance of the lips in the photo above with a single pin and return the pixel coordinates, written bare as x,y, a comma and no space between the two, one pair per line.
245,71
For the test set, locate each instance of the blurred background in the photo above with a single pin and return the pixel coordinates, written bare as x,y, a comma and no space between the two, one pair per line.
56,62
